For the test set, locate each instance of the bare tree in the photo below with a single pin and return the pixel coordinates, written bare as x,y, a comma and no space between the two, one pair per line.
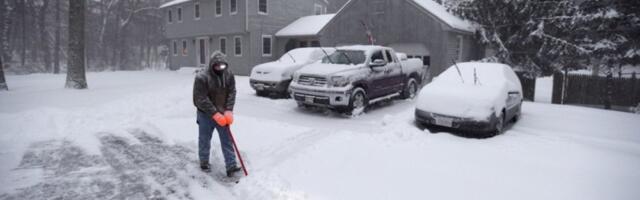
76,78
3,82
44,39
56,51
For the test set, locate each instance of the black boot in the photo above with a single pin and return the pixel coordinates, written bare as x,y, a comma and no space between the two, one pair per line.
231,171
204,165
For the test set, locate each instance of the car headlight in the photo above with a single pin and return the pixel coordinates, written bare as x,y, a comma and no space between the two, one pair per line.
339,81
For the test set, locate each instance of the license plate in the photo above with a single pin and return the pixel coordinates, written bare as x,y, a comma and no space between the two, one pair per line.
308,99
444,121
259,87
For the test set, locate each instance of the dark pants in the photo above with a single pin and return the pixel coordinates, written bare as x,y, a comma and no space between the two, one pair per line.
206,126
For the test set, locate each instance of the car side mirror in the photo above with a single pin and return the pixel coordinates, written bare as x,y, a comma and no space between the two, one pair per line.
378,63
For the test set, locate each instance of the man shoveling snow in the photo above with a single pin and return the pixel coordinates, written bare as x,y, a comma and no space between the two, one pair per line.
214,94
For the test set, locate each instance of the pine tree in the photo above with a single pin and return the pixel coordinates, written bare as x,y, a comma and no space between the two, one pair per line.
533,35
76,77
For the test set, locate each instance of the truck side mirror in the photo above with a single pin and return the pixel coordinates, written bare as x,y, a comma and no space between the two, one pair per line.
378,63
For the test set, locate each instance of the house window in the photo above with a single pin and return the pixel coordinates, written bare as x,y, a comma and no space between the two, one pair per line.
218,8
169,16
238,45
196,10
318,9
315,43
233,6
262,7
266,45
302,44
184,48
175,48
459,48
179,14
223,45
379,7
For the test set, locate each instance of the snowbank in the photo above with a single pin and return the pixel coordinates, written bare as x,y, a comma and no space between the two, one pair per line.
133,134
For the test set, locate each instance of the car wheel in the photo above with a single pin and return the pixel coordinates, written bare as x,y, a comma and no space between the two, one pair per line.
262,93
518,114
358,102
499,127
411,89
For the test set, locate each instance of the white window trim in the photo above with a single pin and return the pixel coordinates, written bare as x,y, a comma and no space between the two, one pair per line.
226,42
215,8
270,45
315,6
199,11
179,14
184,47
236,46
460,45
234,12
174,47
170,19
258,7
206,50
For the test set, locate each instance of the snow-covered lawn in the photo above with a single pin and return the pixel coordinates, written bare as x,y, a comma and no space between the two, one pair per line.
133,135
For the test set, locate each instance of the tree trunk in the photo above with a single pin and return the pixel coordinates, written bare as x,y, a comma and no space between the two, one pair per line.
76,78
56,51
3,82
23,17
44,40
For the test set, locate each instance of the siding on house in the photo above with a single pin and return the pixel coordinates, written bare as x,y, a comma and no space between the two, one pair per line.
247,23
398,21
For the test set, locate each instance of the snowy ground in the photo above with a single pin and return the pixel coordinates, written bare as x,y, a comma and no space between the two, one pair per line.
133,136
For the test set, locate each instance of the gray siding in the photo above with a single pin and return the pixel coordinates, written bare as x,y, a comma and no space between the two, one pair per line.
280,14
398,22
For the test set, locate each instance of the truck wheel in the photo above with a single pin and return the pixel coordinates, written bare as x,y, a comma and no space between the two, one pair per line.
411,89
358,102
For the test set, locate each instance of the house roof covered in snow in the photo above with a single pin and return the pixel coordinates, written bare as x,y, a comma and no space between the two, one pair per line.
305,26
441,13
174,2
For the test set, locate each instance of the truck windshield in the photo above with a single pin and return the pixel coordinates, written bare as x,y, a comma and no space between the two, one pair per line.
345,57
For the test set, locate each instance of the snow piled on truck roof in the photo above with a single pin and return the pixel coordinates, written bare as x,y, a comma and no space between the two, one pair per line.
172,3
306,26
441,12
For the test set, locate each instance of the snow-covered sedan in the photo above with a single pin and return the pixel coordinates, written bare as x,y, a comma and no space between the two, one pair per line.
275,77
477,97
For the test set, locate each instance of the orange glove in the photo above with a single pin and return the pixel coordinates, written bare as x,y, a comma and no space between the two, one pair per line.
220,119
229,116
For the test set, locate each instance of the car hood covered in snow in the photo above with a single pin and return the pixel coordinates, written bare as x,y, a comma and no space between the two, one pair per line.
460,100
325,69
469,90
275,71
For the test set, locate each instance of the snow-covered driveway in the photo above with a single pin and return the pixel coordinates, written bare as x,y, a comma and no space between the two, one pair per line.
132,135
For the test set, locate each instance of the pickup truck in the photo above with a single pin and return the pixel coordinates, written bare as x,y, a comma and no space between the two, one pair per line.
353,77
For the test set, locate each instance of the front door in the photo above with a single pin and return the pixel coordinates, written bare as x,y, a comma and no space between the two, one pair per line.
202,51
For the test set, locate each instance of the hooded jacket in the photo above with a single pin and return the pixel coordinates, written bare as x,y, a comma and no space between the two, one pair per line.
214,92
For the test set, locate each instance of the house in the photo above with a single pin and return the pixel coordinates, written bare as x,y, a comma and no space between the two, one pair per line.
251,32
242,29
419,28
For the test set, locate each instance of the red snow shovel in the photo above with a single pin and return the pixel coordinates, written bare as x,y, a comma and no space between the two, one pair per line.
244,169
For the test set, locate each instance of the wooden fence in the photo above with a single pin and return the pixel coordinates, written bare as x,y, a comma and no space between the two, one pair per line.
528,82
595,90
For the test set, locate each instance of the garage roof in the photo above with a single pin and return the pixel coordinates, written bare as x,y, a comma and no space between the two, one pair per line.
172,3
441,13
305,26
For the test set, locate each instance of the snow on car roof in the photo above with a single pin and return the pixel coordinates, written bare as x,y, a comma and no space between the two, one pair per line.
366,48
441,12
174,2
306,26
486,73
302,54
